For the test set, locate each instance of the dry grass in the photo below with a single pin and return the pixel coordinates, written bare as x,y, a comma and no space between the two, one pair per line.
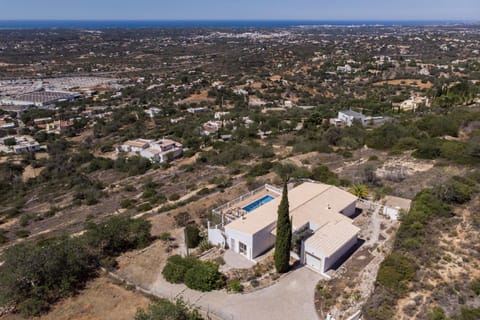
405,83
102,299
197,97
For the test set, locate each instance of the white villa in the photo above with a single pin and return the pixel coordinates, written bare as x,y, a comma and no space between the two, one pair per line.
211,127
22,144
347,117
163,150
136,145
160,151
414,102
320,218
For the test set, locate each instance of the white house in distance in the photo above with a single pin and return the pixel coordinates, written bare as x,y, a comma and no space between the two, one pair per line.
136,145
163,150
347,117
18,144
320,216
211,127
414,102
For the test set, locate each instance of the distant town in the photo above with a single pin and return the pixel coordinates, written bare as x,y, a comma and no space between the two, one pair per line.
313,172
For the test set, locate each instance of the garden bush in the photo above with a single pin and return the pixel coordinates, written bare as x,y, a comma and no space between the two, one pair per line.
163,309
176,267
204,276
192,234
395,272
235,286
196,274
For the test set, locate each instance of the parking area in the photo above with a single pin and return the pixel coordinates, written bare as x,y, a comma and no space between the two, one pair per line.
291,297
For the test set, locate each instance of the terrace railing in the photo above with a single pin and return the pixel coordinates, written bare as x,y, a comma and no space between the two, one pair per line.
220,210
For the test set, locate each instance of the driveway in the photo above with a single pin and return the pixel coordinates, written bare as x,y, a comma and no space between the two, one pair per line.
292,297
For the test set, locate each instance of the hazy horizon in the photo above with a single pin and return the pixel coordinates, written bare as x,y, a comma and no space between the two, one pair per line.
252,10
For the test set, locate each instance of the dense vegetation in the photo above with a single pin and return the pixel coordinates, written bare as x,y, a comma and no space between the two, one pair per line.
35,275
163,309
196,274
192,235
412,248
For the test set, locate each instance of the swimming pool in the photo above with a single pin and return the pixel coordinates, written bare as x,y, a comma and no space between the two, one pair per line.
258,203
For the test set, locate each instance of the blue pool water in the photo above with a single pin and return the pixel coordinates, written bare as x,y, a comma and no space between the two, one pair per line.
258,203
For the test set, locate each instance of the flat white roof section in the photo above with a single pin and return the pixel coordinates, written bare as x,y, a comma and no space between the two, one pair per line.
309,202
331,237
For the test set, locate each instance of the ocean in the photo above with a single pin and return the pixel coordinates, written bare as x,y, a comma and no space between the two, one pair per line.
138,24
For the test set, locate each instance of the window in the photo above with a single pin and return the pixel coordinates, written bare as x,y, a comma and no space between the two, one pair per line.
242,247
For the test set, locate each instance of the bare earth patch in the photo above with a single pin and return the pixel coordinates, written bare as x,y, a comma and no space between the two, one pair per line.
30,172
406,83
102,299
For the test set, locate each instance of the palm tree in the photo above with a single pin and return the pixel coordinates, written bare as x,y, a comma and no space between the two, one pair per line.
359,190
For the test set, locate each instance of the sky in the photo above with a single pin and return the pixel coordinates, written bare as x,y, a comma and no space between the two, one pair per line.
397,10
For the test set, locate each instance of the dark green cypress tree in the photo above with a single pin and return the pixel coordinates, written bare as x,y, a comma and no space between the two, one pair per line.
283,240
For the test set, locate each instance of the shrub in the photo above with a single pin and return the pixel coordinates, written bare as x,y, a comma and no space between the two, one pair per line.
469,314
437,126
453,150
22,233
204,245
182,219
118,234
395,272
387,135
475,286
176,267
164,309
33,306
148,193
235,286
34,275
406,143
127,203
428,149
204,276
192,234
24,220
260,169
254,283
437,313
323,174
135,165
456,190
165,236
174,197
144,207
411,231
196,274
3,237
129,188
204,192
109,263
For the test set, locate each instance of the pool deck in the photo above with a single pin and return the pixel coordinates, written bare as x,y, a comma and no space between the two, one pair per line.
236,211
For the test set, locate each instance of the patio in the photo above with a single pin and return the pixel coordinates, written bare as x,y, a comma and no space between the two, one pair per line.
235,208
